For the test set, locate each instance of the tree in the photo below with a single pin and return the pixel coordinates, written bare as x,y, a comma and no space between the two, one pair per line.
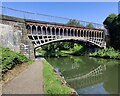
108,21
112,24
90,25
73,22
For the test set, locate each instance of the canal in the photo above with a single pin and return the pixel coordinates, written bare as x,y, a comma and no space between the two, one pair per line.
88,75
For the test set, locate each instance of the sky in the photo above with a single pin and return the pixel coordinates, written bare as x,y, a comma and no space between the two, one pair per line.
87,11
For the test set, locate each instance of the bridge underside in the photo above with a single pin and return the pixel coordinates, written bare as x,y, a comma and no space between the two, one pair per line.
41,34
41,42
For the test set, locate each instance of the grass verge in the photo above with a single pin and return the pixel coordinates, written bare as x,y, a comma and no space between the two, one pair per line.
52,82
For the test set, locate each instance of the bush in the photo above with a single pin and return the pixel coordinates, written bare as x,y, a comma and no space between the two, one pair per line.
78,50
106,53
10,59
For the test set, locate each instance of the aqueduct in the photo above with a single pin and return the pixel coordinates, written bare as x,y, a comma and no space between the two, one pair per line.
42,33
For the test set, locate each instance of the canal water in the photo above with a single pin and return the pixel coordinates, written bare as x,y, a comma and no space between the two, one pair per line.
88,75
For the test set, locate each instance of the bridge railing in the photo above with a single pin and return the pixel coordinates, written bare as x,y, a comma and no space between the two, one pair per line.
44,17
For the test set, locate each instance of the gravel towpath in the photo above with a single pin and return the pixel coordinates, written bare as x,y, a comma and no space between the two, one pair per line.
29,81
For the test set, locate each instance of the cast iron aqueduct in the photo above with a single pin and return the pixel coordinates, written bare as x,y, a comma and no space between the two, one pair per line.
42,33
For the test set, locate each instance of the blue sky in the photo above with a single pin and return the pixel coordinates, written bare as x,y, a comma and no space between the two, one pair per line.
86,11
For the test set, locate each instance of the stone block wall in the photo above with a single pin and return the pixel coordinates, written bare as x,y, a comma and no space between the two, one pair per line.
13,35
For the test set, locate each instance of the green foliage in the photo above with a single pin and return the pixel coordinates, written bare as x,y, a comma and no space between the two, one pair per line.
54,49
106,53
58,49
112,23
52,83
78,49
73,22
90,25
108,21
10,59
30,61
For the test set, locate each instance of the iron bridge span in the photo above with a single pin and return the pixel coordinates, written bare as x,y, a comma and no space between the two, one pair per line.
41,33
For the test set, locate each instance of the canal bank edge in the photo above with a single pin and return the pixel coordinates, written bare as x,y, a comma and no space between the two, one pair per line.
62,83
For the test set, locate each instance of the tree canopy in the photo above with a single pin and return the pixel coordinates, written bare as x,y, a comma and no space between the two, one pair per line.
90,25
112,24
73,22
108,21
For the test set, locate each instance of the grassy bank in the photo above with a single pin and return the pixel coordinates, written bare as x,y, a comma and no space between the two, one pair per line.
108,53
10,59
52,82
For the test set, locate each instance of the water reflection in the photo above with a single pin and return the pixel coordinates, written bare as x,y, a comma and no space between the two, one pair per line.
89,75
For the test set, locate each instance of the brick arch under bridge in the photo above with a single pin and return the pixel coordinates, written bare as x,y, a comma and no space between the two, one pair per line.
41,33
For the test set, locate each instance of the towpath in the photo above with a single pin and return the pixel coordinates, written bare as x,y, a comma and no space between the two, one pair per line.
30,81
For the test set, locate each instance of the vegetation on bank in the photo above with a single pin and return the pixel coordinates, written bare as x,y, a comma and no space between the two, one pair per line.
112,24
52,82
107,53
78,49
10,59
59,49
